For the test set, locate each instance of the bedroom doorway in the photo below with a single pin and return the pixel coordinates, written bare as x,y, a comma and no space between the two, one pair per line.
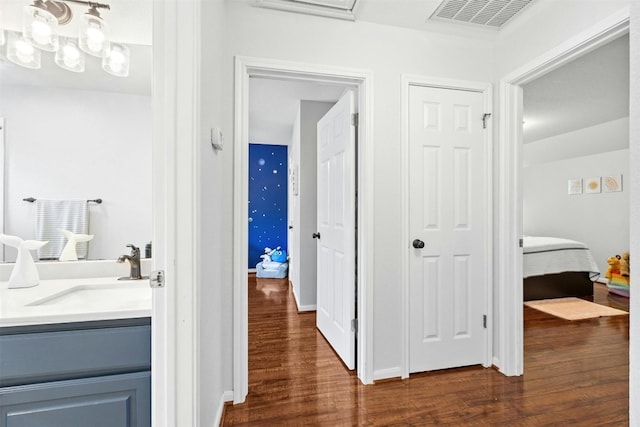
575,159
284,116
251,68
509,209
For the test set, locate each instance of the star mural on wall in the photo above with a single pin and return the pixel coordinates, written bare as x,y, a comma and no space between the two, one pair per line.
267,199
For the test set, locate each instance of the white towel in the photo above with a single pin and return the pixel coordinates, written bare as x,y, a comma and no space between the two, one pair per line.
72,215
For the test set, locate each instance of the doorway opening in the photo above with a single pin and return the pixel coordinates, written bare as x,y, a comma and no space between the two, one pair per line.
580,137
510,207
246,69
283,116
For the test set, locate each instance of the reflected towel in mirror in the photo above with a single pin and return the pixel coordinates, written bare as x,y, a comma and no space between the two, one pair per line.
72,215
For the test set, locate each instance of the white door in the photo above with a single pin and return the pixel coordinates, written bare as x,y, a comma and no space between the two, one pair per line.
447,204
336,228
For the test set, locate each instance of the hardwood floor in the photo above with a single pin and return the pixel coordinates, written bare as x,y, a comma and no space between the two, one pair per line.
576,373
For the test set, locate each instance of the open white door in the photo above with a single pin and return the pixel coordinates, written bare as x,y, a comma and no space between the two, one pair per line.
447,222
336,228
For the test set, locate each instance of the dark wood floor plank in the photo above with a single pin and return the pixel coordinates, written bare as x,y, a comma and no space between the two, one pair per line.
576,373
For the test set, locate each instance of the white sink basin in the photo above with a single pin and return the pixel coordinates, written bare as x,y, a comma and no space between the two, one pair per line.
111,296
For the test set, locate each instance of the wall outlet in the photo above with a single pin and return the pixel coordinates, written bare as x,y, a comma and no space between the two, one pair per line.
217,139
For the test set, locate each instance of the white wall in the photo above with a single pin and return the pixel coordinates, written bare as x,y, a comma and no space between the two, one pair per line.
546,24
599,220
305,218
388,52
78,144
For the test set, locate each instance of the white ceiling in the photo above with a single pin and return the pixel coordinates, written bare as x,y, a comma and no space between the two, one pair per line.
130,22
590,90
414,14
273,105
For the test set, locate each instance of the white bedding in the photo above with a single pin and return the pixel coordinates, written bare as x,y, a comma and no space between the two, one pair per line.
550,255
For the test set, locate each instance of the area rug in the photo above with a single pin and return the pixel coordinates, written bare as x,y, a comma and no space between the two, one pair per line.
573,308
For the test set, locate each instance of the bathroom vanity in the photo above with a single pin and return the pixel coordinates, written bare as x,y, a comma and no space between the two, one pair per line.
76,352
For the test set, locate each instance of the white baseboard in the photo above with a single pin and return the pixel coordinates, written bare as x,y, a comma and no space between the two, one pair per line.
227,396
496,363
383,374
301,307
295,295
252,270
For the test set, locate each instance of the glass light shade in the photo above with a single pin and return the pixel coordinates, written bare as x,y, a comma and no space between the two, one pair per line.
21,52
94,36
40,28
117,62
69,56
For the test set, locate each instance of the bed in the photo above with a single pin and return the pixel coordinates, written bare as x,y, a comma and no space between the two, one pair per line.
554,268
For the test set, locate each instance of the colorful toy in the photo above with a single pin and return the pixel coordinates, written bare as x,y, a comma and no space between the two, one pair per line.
614,266
618,282
624,264
274,264
279,255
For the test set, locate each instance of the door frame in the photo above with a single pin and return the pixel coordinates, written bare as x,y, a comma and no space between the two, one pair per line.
509,355
175,352
245,68
409,80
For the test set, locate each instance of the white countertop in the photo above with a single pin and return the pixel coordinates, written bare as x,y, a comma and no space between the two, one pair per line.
74,300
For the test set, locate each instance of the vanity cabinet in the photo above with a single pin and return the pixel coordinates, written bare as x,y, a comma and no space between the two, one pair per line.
76,374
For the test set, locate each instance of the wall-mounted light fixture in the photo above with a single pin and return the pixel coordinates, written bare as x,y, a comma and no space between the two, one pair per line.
40,32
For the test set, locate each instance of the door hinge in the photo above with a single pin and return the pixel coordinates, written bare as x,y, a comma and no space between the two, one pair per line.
485,116
484,321
354,325
354,119
521,243
156,279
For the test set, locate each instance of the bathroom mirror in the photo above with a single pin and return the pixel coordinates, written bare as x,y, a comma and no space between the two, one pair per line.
80,136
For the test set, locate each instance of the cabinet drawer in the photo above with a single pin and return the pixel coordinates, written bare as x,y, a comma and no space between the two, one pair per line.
51,356
111,401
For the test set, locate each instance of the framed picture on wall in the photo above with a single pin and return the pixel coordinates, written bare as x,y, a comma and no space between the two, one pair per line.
574,186
612,183
592,185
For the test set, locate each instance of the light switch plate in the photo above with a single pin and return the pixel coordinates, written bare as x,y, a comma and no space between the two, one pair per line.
217,139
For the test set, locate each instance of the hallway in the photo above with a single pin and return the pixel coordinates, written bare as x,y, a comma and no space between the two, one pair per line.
576,373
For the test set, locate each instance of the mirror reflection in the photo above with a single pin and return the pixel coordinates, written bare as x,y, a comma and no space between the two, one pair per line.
80,136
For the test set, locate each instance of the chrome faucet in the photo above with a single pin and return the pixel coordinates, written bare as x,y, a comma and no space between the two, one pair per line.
134,261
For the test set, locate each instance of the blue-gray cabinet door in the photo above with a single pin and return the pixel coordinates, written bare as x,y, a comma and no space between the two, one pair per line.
109,401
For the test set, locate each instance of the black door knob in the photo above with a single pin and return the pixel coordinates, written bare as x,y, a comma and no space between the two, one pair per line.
291,227
316,235
418,244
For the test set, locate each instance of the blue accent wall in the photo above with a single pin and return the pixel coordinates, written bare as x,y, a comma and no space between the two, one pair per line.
268,173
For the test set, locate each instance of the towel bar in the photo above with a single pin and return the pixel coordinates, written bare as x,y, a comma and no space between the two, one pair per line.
31,200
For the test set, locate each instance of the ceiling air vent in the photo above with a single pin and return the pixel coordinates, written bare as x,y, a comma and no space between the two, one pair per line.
485,13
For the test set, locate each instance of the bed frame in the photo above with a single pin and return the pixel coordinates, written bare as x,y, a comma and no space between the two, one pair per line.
568,284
